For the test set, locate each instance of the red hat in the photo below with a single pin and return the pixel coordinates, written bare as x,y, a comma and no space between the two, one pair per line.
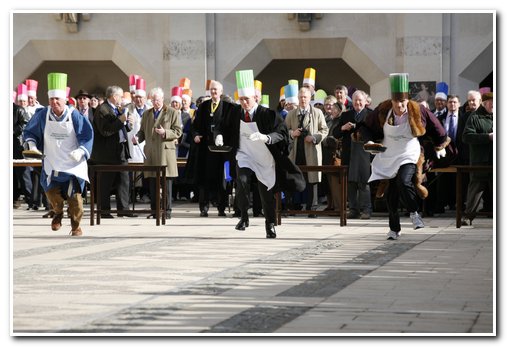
176,93
140,87
22,92
32,87
132,82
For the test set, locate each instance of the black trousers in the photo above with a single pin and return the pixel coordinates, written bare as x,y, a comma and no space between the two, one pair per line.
206,193
401,187
118,180
153,193
244,177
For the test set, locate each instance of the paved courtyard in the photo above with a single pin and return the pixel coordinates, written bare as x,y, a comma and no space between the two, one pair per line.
200,276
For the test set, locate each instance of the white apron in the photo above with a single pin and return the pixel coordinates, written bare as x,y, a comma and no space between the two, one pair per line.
402,148
255,155
59,140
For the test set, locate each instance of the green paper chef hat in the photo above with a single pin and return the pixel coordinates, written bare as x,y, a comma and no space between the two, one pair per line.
320,96
57,85
265,100
399,86
245,83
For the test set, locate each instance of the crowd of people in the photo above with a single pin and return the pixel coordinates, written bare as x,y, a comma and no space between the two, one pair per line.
239,144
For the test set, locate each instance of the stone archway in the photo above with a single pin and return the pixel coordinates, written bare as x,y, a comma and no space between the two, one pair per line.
338,49
480,67
77,57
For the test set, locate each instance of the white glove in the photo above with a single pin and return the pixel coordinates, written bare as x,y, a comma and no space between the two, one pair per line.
32,146
219,140
257,136
77,154
440,153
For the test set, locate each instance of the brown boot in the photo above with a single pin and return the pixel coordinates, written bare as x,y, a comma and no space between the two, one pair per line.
56,223
420,177
76,232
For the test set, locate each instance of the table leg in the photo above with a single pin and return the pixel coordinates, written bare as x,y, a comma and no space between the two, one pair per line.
98,198
278,207
343,204
164,195
157,198
92,197
459,196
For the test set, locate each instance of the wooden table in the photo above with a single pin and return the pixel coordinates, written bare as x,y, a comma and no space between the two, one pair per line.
97,170
342,173
26,162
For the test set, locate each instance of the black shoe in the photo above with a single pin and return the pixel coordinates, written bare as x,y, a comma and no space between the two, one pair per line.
151,215
237,214
106,215
258,214
270,231
49,214
352,215
243,223
221,214
312,216
131,215
204,214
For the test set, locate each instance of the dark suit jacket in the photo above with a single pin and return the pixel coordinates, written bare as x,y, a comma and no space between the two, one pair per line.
205,167
288,176
462,148
346,117
107,148
20,118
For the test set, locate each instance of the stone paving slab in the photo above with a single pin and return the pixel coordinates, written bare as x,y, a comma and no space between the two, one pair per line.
200,276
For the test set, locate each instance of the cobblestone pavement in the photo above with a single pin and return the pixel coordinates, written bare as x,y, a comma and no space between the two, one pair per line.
200,276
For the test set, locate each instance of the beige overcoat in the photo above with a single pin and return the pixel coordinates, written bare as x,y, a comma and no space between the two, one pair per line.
158,150
315,122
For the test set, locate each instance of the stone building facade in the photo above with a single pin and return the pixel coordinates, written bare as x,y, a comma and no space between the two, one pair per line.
355,49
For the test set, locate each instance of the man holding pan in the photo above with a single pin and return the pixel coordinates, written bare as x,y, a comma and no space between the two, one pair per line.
66,138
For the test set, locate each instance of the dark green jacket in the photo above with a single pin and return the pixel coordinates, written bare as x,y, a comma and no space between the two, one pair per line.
476,133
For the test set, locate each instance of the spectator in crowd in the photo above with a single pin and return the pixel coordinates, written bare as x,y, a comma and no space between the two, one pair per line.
353,155
206,168
160,128
111,125
331,152
307,127
479,135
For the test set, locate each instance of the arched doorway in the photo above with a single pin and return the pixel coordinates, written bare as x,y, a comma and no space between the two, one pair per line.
93,76
329,73
91,64
275,61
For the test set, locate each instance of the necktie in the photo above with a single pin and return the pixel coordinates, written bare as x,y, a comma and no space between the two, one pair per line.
247,117
357,117
156,113
140,111
452,128
123,131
